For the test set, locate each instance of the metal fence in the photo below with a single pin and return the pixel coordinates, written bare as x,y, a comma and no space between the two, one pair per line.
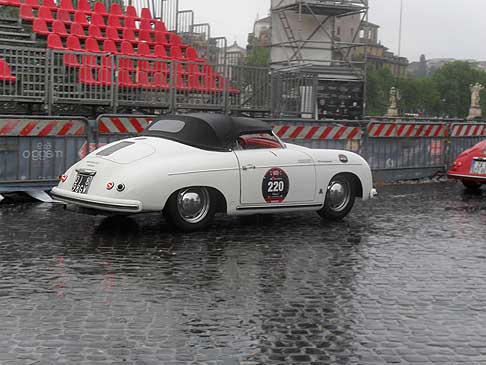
34,151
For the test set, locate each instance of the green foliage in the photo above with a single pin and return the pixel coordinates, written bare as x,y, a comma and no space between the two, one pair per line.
446,93
9,12
259,56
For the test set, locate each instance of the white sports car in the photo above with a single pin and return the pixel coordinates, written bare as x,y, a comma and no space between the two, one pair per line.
191,166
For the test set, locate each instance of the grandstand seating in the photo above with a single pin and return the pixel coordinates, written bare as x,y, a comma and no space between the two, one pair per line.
99,30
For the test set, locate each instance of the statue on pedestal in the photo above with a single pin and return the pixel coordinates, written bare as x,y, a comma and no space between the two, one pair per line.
475,109
393,101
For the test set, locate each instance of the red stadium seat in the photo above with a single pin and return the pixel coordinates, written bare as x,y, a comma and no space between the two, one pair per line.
161,67
176,53
127,49
146,24
92,45
104,76
5,74
40,27
58,27
180,83
78,30
95,32
159,26
112,33
161,38
146,14
114,21
193,69
67,5
145,36
107,62
143,80
160,81
109,46
64,16
191,55
84,5
160,52
71,60
86,76
129,35
81,18
46,14
26,13
145,65
129,23
50,4
194,83
115,9
89,60
131,12
33,3
16,3
98,20
125,64
124,79
54,42
73,44
99,8
143,50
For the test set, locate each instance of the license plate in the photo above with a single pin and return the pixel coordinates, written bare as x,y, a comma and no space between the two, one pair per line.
478,167
82,183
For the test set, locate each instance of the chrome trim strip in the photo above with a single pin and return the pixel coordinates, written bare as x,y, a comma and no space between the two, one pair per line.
468,176
270,207
88,172
203,171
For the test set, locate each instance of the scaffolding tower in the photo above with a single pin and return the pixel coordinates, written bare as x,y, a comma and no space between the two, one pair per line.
318,39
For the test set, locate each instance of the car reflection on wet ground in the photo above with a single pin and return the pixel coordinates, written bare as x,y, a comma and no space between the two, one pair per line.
402,279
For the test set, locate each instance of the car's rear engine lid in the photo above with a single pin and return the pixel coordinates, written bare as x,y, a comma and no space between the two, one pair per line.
126,152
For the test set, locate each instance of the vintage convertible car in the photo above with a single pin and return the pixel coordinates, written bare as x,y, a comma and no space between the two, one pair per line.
470,167
191,166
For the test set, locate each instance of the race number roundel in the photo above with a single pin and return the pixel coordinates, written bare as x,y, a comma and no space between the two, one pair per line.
275,185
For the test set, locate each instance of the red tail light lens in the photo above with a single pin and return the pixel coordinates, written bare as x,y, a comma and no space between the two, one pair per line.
63,178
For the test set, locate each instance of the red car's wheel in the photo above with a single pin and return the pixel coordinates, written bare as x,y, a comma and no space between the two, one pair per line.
472,185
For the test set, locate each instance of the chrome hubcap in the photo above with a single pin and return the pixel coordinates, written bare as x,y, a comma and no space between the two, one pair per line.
339,195
193,204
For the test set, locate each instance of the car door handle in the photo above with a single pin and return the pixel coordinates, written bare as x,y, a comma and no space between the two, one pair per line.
248,167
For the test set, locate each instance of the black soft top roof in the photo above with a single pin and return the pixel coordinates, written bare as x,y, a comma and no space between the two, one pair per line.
217,132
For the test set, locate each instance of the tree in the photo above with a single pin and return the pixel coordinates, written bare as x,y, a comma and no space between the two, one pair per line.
378,88
259,56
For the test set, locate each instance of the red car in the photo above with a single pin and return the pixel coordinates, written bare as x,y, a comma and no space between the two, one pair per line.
470,167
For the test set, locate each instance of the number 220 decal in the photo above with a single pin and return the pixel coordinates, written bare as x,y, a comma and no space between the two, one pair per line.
275,185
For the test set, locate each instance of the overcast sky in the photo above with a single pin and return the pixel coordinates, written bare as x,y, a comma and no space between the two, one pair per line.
437,28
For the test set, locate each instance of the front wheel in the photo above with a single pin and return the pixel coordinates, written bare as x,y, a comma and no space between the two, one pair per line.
471,185
340,198
190,209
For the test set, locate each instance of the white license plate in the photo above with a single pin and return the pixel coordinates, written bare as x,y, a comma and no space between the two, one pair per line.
478,167
82,183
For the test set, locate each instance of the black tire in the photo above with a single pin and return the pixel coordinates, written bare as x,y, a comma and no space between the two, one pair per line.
337,209
174,210
472,185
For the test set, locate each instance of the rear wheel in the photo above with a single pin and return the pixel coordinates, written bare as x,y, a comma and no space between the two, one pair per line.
471,185
340,198
190,209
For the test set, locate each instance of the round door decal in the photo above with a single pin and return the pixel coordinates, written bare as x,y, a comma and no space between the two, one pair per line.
275,185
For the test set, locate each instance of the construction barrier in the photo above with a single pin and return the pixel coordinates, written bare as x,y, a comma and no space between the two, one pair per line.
34,151
406,150
111,128
464,136
319,135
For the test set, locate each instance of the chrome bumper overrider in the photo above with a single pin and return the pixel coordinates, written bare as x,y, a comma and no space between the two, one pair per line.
373,193
95,202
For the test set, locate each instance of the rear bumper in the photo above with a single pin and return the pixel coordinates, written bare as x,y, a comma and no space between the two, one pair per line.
478,178
97,202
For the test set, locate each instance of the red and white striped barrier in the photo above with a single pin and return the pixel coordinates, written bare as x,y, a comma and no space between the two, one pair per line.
42,128
123,124
398,130
468,130
318,132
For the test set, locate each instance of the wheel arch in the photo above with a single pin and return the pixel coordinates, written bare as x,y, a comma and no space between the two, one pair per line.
220,199
355,180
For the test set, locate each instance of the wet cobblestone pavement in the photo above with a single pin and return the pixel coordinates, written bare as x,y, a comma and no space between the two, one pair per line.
401,280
